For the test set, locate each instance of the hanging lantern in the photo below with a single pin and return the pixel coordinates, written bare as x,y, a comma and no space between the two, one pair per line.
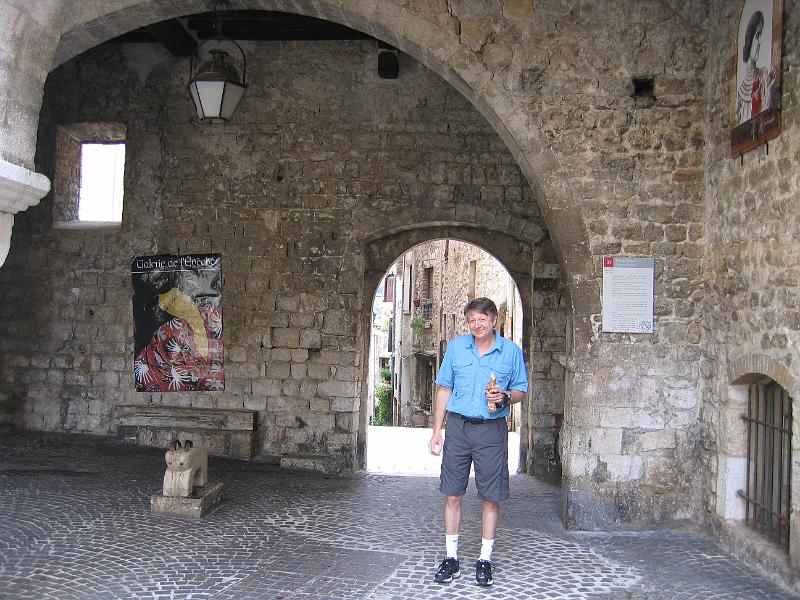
214,82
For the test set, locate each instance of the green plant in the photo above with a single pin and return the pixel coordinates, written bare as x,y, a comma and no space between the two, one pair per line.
383,406
418,323
386,374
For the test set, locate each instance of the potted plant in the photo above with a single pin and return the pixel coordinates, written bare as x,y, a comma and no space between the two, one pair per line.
419,323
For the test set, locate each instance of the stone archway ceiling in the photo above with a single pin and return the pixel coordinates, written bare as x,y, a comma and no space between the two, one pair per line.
441,49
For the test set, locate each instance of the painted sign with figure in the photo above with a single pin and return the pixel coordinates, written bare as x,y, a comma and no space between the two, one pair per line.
177,316
756,74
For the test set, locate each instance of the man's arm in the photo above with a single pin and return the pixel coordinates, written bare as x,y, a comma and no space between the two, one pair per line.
442,396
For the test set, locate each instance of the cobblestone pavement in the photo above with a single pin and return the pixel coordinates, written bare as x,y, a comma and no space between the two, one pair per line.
76,523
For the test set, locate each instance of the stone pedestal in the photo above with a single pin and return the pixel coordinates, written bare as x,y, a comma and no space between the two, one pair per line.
207,499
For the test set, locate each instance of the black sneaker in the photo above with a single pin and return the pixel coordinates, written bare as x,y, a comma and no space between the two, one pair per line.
483,572
448,570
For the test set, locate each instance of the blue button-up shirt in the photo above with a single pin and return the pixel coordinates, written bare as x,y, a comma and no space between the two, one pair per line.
466,372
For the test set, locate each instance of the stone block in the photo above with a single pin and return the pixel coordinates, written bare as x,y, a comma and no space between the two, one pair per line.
286,337
207,499
345,405
337,388
311,339
732,439
731,477
630,419
319,463
681,398
623,468
279,369
656,440
606,441
298,370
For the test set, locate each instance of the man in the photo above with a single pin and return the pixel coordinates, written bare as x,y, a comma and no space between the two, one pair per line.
482,373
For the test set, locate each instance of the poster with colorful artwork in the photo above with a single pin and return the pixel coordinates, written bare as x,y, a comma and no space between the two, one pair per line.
756,74
177,316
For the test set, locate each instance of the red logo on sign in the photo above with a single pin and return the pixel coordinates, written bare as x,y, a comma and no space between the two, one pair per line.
608,261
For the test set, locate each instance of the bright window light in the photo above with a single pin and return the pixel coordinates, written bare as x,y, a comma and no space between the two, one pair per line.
102,170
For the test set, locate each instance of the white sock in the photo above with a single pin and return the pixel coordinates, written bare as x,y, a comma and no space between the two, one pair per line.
451,543
486,549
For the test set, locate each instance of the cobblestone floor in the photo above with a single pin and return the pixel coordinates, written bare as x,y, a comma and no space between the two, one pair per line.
76,523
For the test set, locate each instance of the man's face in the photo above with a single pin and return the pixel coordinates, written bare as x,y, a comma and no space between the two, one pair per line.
480,324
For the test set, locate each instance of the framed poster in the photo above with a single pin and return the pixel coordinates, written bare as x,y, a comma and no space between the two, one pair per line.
177,316
628,294
756,74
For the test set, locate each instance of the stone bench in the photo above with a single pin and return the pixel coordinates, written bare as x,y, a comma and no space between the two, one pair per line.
224,432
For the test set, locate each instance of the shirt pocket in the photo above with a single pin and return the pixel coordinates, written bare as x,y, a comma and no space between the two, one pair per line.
462,373
502,373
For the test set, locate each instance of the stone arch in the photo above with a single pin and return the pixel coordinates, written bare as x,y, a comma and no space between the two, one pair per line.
380,250
432,44
750,368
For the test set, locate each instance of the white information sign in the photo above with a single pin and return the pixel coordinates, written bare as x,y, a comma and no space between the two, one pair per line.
628,294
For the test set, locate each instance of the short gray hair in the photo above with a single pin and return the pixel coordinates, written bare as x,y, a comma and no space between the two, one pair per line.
484,305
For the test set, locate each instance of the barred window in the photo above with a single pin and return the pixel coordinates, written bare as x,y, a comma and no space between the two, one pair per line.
767,493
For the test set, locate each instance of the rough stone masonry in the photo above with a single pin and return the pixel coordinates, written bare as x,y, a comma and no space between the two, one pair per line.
324,162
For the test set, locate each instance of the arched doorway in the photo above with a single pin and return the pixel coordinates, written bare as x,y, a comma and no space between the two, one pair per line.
542,332
416,311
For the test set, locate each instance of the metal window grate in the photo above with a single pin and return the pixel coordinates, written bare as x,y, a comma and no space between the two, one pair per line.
769,461
426,309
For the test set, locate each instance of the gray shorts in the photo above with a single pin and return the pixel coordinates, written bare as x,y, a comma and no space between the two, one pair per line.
485,445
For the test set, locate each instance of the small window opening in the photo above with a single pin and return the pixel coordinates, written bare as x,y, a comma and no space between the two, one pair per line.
89,177
101,188
767,492
388,288
643,91
427,284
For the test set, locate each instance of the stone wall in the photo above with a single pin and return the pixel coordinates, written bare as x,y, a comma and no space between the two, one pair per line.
751,271
609,172
321,154
634,168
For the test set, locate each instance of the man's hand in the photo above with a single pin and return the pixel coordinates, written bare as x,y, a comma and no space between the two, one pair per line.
436,443
495,398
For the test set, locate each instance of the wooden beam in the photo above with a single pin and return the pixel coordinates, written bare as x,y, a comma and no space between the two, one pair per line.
173,36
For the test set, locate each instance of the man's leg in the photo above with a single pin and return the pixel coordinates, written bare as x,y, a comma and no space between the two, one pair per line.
452,523
449,568
452,514
484,566
491,479
491,515
453,481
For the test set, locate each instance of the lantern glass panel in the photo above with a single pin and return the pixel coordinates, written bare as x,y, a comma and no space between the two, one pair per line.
230,99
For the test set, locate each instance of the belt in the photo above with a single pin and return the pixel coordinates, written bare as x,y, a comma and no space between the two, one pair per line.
475,420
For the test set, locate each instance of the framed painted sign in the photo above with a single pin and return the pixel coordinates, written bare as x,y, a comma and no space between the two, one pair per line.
177,316
756,74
